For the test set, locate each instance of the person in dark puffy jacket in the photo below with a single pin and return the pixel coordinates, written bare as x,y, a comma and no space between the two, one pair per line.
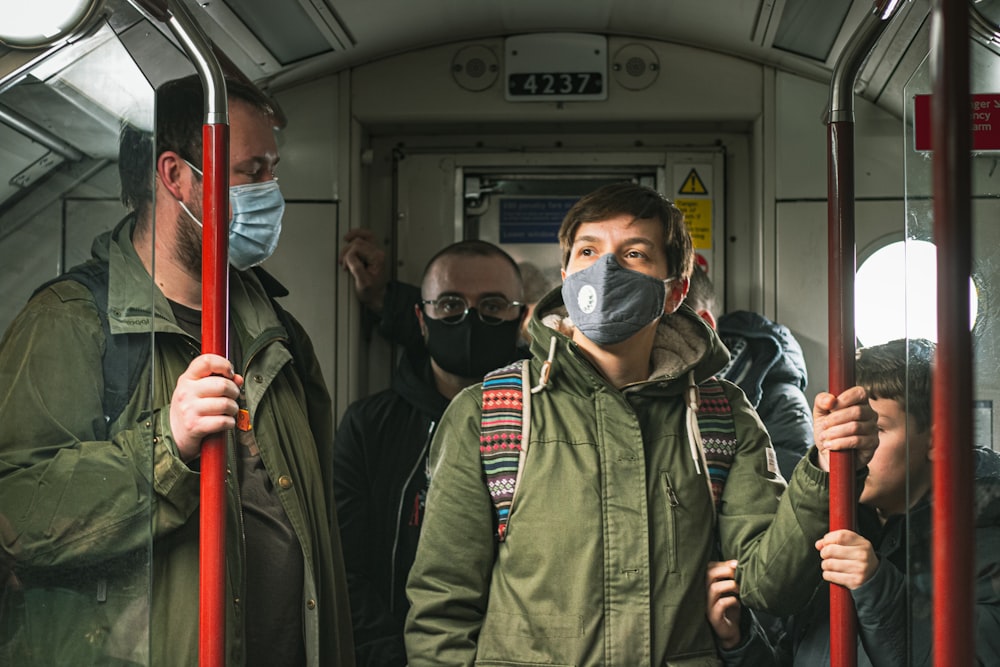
886,565
768,365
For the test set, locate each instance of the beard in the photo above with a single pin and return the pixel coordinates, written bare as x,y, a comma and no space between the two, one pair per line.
187,250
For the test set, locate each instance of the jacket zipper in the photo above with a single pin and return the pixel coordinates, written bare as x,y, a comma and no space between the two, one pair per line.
399,512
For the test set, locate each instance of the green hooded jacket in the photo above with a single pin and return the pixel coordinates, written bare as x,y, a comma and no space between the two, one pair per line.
99,522
612,525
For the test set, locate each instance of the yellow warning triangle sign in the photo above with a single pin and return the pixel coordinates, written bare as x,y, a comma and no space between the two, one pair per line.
693,185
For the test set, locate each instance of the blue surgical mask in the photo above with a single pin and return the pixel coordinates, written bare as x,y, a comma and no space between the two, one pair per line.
255,226
256,223
609,303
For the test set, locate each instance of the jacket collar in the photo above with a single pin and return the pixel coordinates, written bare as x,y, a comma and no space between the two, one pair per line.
684,344
135,303
414,381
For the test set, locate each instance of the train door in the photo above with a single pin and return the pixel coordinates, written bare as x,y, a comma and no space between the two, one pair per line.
518,200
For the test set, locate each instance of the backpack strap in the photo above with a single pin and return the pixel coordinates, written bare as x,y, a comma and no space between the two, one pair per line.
506,419
125,355
718,435
503,436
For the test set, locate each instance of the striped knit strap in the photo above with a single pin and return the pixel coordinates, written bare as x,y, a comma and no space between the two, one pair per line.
500,438
718,435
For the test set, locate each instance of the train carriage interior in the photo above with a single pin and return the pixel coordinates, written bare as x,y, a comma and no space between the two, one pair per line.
432,121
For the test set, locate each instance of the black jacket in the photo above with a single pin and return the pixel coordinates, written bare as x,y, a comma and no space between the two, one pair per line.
768,365
380,483
897,601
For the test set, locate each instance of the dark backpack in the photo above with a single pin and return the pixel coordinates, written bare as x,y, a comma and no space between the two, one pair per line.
505,430
125,355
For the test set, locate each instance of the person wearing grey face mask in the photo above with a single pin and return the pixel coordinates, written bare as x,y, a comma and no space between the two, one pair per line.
609,519
609,303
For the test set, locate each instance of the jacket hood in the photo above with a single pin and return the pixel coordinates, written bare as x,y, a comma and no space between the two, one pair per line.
684,341
414,381
762,351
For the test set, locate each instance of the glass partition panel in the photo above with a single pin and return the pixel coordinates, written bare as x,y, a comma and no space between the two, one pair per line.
78,441
914,528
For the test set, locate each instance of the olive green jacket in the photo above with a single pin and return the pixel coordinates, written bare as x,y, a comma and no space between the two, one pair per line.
100,521
612,525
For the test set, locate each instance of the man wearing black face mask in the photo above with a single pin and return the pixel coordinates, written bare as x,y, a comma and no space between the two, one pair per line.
469,315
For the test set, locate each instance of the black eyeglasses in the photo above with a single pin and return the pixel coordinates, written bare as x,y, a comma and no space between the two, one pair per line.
492,310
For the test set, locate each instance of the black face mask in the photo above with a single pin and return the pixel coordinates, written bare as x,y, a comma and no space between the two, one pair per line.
471,349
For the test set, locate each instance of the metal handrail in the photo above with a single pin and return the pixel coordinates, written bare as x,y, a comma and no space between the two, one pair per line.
842,265
952,525
214,329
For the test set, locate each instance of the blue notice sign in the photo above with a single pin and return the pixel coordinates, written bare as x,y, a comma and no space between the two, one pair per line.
533,220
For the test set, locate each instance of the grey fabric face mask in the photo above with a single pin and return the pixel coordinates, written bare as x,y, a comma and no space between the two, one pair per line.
609,303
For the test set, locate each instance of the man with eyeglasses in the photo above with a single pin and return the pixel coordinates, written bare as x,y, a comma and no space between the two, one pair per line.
469,315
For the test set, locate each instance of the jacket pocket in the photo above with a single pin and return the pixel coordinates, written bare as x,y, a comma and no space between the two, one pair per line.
672,505
527,640
514,663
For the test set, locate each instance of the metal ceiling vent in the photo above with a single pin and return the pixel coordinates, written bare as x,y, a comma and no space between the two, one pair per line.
273,35
475,68
635,66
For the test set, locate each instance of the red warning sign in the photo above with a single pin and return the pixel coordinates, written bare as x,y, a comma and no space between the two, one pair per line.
985,110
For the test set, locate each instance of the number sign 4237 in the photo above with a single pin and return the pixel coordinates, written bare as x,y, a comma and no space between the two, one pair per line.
555,83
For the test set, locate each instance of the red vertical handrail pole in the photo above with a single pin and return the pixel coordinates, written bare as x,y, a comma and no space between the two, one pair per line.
214,332
953,563
841,258
841,267
214,328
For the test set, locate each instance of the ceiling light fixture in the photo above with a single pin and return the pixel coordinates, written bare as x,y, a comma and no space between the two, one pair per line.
41,23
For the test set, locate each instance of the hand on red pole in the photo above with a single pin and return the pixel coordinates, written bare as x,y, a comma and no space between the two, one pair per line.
204,402
845,422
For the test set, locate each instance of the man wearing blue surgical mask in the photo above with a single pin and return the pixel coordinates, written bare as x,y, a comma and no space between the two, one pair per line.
254,223
117,553
599,556
255,202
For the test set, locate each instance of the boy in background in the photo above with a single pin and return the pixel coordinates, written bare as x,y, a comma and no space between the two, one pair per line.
892,594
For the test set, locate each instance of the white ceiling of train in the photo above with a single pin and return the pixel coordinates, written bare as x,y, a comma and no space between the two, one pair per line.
48,115
284,42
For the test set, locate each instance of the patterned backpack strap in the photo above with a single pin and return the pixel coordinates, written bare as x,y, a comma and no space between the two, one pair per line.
501,435
718,434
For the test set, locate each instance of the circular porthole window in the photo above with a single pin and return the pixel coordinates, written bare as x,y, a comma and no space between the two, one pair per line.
895,294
